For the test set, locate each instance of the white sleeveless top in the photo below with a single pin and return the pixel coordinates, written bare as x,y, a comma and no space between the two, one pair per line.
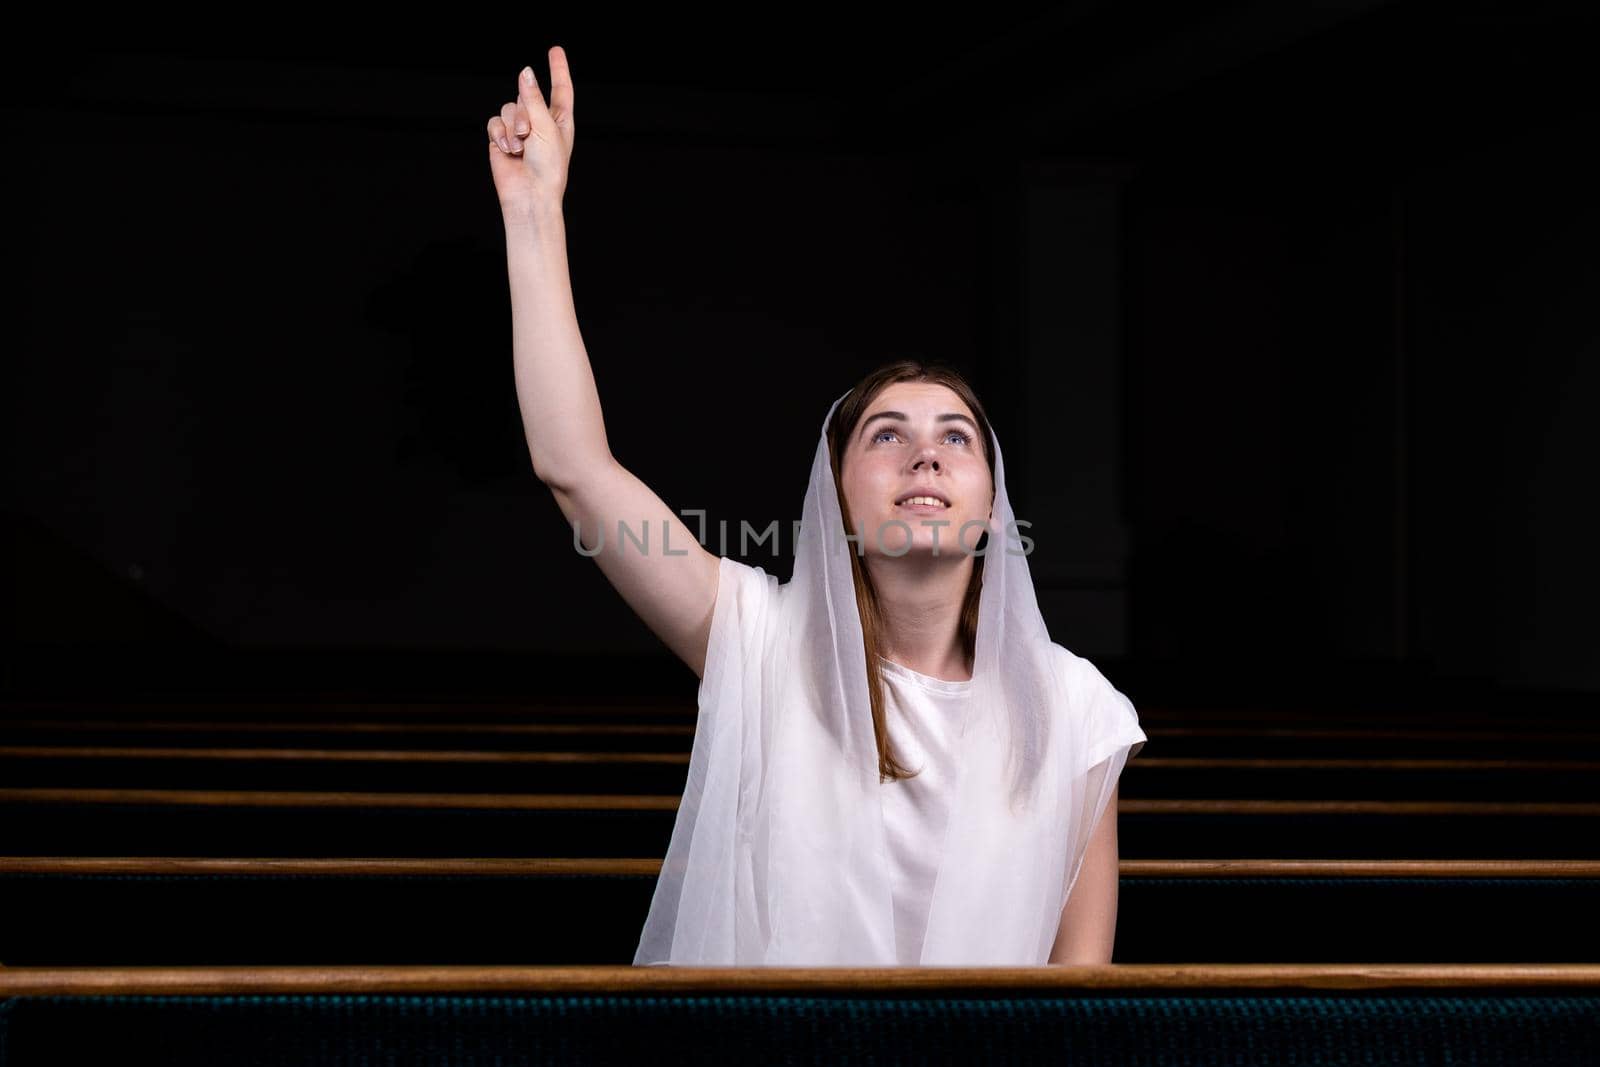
775,856
923,714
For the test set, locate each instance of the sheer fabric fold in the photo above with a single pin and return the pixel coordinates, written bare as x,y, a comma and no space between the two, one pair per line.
778,853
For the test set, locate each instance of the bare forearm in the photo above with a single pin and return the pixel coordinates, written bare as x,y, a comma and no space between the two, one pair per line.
561,413
1089,924
1088,930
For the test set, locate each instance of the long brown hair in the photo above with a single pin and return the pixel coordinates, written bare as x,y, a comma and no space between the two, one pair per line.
845,419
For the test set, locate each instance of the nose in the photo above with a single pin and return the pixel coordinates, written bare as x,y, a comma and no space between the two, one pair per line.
931,461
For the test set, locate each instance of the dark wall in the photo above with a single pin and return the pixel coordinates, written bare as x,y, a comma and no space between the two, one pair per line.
1503,284
1289,339
1360,356
267,384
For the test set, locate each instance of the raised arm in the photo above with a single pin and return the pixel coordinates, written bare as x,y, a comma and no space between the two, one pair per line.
530,147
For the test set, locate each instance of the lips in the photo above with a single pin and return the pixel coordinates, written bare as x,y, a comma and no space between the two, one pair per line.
934,493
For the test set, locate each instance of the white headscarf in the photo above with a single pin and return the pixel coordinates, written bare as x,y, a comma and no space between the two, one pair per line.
778,855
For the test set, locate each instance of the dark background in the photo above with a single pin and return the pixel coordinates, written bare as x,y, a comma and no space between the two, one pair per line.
1284,314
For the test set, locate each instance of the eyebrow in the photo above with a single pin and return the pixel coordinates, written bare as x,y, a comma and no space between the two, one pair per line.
947,417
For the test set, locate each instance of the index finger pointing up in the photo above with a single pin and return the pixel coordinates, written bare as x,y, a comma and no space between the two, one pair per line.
560,81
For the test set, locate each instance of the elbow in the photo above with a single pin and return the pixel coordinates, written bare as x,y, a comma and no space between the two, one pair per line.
552,481
567,477
551,475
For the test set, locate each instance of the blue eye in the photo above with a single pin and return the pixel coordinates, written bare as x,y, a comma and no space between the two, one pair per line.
965,438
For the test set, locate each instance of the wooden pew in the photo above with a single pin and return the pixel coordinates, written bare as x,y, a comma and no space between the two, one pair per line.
621,772
1212,1011
1119,1013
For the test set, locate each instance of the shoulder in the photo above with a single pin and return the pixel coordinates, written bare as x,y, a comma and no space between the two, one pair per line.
743,580
1079,673
744,592
1076,673
1108,716
1091,693
742,623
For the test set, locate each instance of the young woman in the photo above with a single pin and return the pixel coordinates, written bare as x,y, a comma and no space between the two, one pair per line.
893,763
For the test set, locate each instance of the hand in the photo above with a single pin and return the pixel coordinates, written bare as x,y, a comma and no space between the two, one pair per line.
530,145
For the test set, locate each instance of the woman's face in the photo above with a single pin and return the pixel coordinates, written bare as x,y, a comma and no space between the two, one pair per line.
917,439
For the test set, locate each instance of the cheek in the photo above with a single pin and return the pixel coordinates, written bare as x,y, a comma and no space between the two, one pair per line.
981,500
864,485
858,491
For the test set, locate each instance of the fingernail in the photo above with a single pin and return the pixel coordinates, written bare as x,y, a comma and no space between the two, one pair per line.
527,75
504,147
522,128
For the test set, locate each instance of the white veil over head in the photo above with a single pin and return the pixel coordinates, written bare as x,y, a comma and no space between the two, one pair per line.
778,854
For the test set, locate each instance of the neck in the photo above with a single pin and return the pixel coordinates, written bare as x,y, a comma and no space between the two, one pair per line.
920,598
